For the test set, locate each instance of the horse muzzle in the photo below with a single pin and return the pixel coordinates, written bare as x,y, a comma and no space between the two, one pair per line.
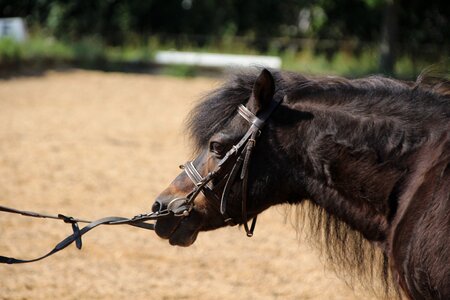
180,225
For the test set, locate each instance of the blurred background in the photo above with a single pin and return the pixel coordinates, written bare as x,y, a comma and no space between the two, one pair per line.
345,37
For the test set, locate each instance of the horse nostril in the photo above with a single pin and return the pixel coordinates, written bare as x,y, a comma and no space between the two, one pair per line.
156,206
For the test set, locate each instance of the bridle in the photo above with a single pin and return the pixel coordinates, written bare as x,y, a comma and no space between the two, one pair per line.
238,158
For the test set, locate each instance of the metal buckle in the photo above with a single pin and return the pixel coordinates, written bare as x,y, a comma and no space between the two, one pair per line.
181,210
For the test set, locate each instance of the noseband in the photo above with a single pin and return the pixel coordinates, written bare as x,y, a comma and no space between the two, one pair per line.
239,157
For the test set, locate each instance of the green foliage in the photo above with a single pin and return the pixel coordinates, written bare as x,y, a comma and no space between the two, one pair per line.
180,71
341,63
10,51
89,51
55,17
39,48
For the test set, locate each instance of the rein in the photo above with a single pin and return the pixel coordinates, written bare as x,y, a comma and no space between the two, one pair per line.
137,221
240,154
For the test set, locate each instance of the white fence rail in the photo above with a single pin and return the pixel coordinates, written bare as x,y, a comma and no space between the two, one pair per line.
216,60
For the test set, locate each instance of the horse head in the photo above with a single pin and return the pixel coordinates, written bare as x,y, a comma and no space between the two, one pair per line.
233,177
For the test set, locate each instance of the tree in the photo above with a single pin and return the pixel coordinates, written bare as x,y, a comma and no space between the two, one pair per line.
388,45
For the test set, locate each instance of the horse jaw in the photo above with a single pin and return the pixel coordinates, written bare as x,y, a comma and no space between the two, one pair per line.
179,231
183,238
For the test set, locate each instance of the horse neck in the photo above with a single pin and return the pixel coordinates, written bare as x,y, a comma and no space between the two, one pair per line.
353,168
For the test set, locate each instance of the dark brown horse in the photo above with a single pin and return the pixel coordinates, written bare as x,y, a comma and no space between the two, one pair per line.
370,158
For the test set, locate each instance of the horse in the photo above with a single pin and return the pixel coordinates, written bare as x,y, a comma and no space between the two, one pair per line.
368,158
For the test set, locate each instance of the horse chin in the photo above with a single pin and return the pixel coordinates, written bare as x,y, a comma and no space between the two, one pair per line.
180,232
183,238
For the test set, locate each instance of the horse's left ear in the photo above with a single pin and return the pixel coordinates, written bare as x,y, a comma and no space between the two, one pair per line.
262,93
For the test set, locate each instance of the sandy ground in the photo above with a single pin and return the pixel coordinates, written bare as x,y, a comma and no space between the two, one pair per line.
94,144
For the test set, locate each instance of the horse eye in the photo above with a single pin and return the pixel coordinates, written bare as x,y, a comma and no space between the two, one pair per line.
217,148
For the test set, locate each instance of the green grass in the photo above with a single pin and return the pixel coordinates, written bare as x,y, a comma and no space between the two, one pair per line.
91,52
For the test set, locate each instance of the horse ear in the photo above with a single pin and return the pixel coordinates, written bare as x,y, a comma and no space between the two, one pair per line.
262,92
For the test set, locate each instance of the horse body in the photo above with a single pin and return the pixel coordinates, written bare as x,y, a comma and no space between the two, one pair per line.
371,155
386,174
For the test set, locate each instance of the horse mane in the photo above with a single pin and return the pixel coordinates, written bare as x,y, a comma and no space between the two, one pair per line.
373,97
217,107
434,80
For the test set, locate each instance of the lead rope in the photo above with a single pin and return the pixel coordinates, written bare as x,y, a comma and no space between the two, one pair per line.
137,221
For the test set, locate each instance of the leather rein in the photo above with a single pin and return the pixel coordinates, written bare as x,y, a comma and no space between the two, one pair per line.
240,154
137,221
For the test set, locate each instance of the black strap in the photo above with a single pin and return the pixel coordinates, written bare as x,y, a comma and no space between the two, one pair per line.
231,178
138,221
244,178
40,215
